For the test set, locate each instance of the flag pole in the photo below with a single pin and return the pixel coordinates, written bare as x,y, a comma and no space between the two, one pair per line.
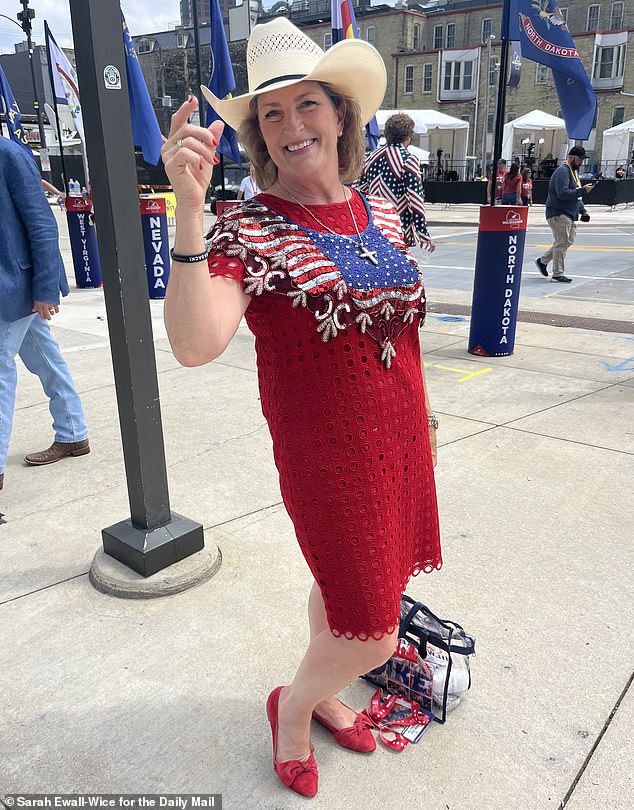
501,99
59,129
199,80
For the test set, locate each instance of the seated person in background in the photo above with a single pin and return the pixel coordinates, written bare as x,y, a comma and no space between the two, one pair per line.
620,172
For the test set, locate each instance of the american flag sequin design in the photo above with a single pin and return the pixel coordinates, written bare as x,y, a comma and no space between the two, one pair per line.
324,273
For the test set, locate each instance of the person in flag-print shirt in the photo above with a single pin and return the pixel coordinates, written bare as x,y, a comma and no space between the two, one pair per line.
394,173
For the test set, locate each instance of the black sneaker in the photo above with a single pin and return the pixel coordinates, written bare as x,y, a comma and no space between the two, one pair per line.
543,269
563,279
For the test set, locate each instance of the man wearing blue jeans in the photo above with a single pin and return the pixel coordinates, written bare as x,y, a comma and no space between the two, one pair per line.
31,278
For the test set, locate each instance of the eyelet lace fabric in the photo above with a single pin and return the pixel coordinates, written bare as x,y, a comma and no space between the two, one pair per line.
348,424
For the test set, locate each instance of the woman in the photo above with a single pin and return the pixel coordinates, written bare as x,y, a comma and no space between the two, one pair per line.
248,187
334,306
392,172
527,187
512,186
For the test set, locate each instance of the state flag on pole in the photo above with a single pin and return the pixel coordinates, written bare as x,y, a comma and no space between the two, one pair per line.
63,80
541,29
221,81
12,115
344,26
146,132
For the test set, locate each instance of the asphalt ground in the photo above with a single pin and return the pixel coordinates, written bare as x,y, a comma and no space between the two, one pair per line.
601,262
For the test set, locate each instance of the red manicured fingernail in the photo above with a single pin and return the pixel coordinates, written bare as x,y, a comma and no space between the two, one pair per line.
216,160
215,142
190,99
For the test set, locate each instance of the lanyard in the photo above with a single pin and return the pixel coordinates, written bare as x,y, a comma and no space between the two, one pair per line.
575,175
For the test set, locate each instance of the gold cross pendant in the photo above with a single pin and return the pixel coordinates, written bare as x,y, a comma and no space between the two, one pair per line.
366,253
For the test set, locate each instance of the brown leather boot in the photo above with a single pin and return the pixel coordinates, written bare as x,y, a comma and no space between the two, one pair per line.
58,451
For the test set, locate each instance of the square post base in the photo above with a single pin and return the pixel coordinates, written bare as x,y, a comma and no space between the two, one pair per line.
148,551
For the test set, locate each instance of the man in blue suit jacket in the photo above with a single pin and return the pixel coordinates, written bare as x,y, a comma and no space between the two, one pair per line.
31,279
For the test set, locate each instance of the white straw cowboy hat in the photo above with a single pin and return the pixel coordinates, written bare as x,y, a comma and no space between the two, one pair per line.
279,54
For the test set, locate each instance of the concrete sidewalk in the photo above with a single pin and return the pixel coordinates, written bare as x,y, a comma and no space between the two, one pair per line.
535,479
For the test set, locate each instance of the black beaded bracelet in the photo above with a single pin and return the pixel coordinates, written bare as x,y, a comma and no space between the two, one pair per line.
192,259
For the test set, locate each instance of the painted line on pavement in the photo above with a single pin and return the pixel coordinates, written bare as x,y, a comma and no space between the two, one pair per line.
524,272
606,248
468,375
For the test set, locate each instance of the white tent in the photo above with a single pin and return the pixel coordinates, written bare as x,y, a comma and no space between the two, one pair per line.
616,147
555,137
437,131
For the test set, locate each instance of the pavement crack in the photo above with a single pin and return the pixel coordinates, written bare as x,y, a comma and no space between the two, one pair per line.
216,445
596,743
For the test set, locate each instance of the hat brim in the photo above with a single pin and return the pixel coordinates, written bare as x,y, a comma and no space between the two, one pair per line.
353,66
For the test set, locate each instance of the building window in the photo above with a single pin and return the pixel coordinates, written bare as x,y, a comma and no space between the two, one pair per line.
145,46
467,76
416,37
490,122
451,35
487,27
616,16
493,69
427,77
618,116
564,14
466,118
181,40
609,62
593,18
438,37
327,40
370,34
409,79
458,75
541,74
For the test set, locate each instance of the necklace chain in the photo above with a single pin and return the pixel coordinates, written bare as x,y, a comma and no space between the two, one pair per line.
364,252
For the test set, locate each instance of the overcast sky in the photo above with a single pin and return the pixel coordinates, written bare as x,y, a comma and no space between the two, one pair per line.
143,16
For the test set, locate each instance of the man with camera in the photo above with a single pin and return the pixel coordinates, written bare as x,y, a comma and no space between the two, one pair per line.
564,205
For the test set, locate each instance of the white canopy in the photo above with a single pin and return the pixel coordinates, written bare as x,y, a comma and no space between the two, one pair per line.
555,137
616,147
437,131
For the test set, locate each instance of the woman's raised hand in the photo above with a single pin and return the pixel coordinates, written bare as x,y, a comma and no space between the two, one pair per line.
189,156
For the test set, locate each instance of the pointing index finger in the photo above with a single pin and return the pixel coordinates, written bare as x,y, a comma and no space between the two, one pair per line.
181,116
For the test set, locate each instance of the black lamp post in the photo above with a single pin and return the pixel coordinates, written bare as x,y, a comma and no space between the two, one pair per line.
25,16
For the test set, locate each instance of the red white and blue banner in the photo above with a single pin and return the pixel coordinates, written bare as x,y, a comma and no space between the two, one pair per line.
498,275
540,28
83,242
344,26
155,244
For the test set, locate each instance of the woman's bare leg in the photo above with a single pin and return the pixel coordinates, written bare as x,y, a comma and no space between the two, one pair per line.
330,664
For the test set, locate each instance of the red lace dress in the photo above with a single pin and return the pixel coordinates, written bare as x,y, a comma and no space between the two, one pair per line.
339,370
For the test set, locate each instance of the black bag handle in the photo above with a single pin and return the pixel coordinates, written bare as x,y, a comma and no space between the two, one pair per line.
424,635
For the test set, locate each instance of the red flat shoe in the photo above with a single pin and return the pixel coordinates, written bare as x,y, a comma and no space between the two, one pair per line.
358,737
300,776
